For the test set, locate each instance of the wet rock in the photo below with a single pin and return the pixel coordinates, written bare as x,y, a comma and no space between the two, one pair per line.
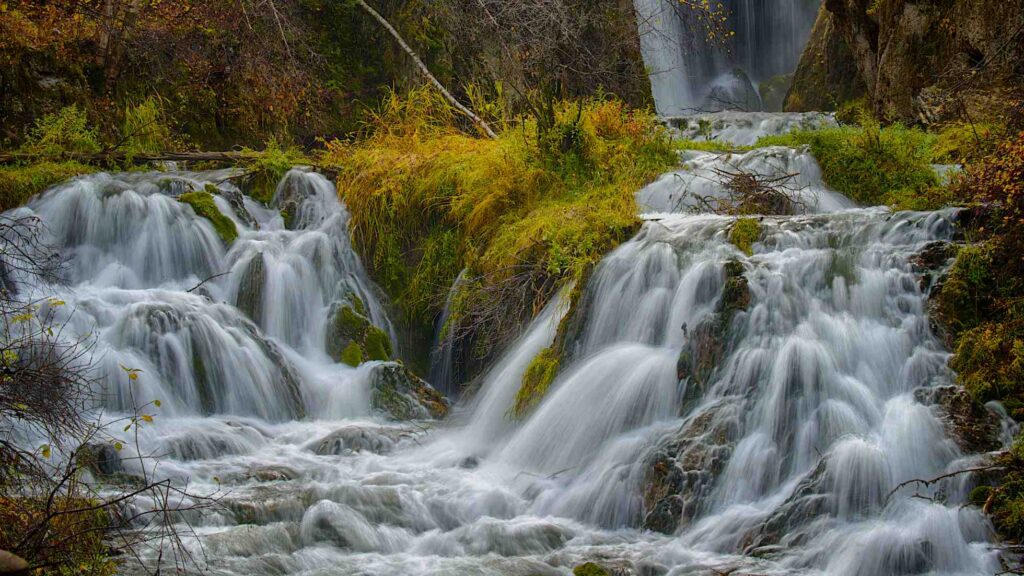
931,261
354,439
971,425
352,338
402,395
827,75
773,92
250,289
469,463
13,565
237,201
273,474
681,471
733,91
100,458
707,343
789,521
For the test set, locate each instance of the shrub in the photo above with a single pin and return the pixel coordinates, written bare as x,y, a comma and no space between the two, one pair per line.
65,131
266,168
145,127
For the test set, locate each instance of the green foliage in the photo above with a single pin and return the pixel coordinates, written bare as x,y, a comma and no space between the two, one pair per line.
709,146
266,168
65,131
145,127
18,183
536,380
960,142
868,163
744,233
428,200
203,205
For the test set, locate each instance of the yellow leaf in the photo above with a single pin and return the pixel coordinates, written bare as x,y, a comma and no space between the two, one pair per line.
45,449
147,418
156,403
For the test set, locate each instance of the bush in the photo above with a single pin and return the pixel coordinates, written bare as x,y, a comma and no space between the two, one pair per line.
145,127
62,132
267,167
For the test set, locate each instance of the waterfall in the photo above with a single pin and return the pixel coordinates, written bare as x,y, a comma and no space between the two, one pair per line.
714,411
690,73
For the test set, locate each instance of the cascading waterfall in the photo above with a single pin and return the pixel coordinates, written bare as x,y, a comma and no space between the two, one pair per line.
715,412
690,73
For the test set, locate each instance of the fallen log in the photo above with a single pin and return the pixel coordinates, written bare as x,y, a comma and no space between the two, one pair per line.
135,158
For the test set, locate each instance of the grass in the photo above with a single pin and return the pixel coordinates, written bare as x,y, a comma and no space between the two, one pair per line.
20,182
871,164
428,200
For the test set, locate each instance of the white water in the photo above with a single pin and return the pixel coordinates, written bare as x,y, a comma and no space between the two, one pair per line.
807,422
685,67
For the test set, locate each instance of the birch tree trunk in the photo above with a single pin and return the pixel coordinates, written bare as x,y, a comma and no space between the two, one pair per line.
426,72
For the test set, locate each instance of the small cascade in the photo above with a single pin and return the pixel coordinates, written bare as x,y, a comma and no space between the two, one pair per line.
239,331
703,183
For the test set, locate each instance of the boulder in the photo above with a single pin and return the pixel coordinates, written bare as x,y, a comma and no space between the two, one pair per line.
773,92
972,426
733,91
355,439
402,396
352,338
827,75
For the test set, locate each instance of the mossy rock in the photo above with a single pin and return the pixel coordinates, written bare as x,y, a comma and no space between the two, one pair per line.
353,339
590,569
203,205
402,395
250,289
743,234
536,380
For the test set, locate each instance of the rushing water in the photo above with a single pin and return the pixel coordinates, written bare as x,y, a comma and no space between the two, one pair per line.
686,68
782,455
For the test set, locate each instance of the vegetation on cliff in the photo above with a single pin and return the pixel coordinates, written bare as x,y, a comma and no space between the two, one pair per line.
522,215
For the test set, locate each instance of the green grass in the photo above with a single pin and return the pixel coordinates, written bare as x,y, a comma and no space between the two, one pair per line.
18,183
870,164
428,200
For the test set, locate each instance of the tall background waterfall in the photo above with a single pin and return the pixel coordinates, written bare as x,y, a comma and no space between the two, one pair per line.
685,68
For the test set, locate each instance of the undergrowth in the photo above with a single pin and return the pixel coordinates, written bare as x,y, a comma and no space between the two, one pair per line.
871,164
523,215
981,306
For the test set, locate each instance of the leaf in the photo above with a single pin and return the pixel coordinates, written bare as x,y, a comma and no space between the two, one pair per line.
133,376
156,403
128,427
118,446
45,449
147,418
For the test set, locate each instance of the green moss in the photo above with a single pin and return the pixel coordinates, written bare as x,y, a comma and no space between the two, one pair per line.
378,345
18,183
590,569
352,354
744,233
870,164
960,142
538,377
352,339
203,205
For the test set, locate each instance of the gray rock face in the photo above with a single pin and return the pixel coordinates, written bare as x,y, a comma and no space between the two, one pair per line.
250,290
682,469
972,426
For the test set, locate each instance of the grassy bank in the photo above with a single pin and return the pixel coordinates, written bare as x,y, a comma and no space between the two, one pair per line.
522,214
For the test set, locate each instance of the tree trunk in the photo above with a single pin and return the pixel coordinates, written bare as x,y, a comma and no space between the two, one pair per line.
426,72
